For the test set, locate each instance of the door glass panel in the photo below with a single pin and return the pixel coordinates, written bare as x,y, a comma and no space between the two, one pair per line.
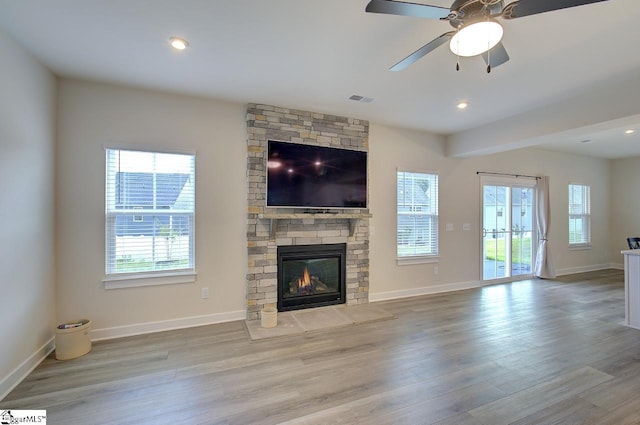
521,230
494,241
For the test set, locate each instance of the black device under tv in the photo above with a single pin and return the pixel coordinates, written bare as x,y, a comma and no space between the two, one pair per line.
308,176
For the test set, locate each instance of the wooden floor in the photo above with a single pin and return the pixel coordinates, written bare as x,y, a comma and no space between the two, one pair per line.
531,352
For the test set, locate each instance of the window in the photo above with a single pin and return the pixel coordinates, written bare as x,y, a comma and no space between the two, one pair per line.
150,204
579,215
417,203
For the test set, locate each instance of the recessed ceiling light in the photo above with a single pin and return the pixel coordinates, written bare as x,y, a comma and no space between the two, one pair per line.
630,131
178,43
462,105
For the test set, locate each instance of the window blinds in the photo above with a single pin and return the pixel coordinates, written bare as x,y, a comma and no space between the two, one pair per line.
150,205
417,214
579,214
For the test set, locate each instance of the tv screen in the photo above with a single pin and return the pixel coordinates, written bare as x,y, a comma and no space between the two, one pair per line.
315,176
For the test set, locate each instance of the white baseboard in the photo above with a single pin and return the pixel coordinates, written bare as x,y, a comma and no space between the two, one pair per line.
427,290
25,368
459,286
583,269
166,325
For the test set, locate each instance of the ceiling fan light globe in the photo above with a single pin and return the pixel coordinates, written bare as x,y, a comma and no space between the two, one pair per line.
476,38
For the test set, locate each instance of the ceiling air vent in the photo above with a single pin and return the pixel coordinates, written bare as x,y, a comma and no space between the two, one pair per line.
358,98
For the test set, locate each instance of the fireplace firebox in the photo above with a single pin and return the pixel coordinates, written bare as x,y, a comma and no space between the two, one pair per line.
311,276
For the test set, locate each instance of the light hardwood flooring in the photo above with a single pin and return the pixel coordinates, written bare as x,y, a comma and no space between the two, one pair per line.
529,352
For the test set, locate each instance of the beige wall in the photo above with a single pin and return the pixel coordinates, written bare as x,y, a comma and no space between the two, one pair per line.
625,204
459,266
94,116
27,130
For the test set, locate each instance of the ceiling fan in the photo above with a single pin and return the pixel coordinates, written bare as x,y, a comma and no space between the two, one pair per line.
477,30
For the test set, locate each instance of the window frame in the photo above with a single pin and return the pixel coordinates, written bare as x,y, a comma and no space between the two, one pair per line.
434,219
585,217
118,280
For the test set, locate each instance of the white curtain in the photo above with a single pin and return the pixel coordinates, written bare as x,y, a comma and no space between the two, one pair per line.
544,266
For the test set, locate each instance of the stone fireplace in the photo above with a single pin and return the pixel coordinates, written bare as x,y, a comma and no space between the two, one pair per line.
269,229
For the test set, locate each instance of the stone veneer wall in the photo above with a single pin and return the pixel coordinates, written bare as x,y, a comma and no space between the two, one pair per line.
288,125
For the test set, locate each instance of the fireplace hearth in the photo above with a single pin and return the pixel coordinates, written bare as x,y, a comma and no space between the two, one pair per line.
311,276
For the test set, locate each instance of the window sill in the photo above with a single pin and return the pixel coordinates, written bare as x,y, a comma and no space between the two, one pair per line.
148,279
580,247
407,261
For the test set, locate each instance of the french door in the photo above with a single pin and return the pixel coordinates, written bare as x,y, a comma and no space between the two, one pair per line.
508,243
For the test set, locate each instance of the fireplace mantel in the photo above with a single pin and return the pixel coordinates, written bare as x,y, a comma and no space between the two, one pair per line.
274,217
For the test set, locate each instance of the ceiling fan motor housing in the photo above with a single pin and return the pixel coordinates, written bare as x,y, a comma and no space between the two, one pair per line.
464,12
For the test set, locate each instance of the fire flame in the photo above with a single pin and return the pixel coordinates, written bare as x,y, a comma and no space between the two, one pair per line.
305,280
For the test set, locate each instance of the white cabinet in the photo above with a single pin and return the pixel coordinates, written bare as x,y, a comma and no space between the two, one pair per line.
632,288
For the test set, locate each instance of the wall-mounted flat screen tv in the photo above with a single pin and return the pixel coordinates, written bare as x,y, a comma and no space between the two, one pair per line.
309,176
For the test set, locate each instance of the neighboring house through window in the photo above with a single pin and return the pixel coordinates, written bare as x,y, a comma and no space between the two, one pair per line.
579,215
417,216
150,205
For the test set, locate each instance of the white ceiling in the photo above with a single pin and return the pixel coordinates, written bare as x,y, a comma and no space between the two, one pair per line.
313,55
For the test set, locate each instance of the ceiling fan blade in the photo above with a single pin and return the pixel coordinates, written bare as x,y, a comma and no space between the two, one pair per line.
392,7
518,9
498,55
433,44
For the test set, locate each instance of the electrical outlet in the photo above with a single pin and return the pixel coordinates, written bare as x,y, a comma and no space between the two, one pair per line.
435,270
205,293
